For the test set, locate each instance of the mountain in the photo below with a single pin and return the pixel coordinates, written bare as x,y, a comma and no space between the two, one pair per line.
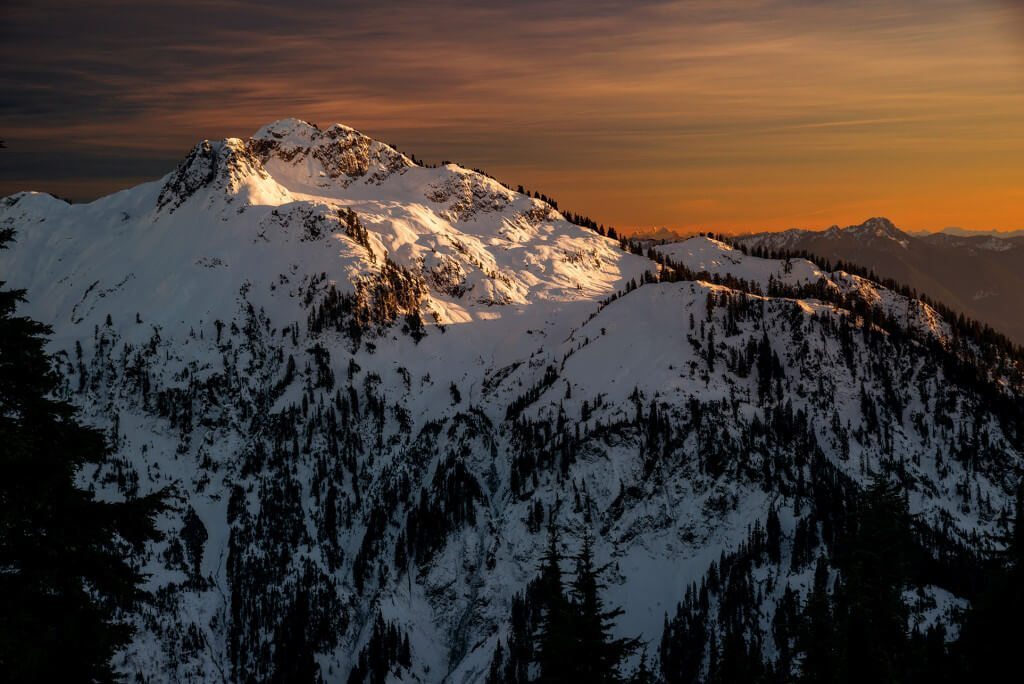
375,386
962,232
980,276
660,234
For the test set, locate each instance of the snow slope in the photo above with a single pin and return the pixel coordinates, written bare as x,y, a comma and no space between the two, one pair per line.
708,256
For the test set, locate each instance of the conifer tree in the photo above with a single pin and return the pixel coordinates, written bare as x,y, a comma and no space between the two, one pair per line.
991,636
816,638
600,656
65,574
294,661
496,671
643,674
555,651
872,620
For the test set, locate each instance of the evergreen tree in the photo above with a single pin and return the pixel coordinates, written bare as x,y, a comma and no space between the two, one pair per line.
816,638
65,574
643,674
520,642
496,672
556,648
872,617
294,657
599,656
992,634
386,653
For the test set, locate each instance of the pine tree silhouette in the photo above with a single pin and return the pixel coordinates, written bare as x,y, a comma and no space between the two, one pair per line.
65,573
599,655
556,649
991,636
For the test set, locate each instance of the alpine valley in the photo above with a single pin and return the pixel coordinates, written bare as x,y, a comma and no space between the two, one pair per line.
387,396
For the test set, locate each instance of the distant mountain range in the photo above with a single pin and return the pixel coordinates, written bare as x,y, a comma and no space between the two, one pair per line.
963,232
662,233
980,275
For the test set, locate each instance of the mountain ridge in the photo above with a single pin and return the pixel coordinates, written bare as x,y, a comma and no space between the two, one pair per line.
977,275
364,387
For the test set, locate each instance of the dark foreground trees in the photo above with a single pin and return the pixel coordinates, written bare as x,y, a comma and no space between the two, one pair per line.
64,569
869,557
562,631
993,632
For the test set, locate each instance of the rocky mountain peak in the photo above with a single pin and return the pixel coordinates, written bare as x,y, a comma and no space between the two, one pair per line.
338,152
877,227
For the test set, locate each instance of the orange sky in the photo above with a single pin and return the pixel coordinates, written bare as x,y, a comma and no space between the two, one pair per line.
731,115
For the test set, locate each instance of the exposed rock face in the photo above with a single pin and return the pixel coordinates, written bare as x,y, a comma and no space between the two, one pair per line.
344,155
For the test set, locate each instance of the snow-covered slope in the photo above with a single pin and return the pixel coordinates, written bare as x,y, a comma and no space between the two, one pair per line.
707,255
715,259
370,381
980,276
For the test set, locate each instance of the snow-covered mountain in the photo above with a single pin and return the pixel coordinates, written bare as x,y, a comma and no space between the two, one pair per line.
964,233
881,233
372,382
874,231
978,275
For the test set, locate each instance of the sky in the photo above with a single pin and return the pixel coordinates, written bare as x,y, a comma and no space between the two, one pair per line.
729,115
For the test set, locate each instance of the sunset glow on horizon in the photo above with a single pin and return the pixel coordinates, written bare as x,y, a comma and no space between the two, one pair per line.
740,115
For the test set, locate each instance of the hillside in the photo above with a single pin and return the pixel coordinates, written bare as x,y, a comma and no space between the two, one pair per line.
980,276
375,384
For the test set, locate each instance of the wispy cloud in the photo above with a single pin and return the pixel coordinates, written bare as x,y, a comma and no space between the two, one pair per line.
731,114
